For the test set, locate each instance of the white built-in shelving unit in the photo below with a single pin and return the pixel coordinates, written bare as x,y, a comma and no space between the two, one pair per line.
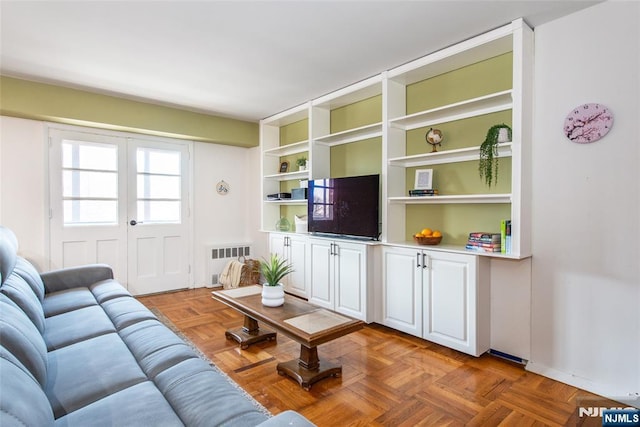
515,38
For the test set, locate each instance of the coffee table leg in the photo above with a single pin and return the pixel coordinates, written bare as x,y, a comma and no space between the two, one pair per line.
250,333
309,369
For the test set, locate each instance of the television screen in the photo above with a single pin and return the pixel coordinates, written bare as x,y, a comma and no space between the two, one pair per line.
345,206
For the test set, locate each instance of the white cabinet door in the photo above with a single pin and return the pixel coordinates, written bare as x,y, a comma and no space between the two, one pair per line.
295,250
402,289
321,273
350,275
450,302
297,255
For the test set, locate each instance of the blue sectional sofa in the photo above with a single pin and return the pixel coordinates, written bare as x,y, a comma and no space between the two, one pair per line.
76,349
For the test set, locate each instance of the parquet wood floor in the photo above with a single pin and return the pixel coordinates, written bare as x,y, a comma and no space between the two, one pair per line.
389,378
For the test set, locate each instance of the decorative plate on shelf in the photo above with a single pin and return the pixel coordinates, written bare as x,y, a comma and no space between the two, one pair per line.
588,123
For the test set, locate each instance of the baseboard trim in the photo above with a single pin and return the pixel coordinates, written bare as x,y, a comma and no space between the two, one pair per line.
600,389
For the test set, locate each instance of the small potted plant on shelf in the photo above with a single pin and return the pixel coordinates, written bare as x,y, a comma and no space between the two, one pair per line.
274,270
302,163
488,166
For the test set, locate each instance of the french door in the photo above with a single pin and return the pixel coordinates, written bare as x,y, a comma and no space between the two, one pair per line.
124,202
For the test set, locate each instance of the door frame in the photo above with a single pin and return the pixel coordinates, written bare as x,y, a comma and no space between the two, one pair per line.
49,126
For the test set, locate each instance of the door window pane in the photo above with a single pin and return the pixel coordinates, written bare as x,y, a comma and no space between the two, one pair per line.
158,185
159,211
90,212
89,183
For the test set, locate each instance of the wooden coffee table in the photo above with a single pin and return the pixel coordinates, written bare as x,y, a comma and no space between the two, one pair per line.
302,322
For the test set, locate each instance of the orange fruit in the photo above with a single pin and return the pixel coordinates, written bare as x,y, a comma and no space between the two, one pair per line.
419,235
427,232
436,233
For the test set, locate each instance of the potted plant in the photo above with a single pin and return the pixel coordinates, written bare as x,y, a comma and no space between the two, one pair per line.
274,270
488,165
302,163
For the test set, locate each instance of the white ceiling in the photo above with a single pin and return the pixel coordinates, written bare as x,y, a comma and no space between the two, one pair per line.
241,59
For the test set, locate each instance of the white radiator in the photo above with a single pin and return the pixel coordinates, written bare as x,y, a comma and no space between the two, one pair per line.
219,255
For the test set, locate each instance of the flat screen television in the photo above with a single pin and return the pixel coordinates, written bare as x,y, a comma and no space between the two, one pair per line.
347,207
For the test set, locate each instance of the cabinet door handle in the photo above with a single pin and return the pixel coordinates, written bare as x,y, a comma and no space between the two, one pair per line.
424,261
336,249
418,260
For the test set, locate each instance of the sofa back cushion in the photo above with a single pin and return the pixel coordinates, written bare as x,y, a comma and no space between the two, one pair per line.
28,272
22,402
19,291
8,250
21,338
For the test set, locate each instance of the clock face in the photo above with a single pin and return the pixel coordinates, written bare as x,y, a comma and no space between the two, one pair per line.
588,123
222,188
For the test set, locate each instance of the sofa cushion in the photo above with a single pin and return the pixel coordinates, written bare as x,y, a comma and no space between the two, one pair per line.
84,372
22,400
155,347
139,405
21,338
27,271
68,300
77,325
126,311
17,289
191,386
108,289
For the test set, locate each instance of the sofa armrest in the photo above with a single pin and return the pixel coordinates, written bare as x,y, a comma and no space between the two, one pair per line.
287,418
73,277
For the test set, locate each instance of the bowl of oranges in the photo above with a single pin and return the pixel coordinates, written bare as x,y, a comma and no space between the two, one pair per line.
428,236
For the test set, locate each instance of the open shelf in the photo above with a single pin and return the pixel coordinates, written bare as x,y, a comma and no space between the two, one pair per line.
286,150
446,156
452,198
351,135
491,103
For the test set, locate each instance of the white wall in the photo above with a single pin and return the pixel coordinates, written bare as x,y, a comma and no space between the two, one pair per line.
22,185
232,218
586,203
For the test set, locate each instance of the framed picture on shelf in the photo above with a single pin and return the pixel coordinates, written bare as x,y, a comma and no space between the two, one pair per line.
284,167
424,179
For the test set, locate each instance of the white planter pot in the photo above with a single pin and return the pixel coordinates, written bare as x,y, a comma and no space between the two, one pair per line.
273,296
503,135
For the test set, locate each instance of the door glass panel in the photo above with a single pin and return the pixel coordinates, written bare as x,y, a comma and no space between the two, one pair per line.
89,183
151,211
158,185
90,212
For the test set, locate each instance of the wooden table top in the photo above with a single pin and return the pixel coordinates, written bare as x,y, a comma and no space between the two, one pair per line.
299,320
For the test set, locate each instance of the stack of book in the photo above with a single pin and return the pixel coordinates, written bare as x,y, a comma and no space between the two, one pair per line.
505,234
423,192
480,241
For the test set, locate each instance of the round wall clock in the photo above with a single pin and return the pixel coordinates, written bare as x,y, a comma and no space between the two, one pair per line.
588,123
222,188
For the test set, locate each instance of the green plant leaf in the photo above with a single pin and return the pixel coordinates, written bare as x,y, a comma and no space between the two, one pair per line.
274,269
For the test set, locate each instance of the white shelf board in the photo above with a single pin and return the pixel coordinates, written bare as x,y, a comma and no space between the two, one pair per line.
452,198
446,156
286,150
287,117
351,135
456,249
353,93
485,46
491,103
288,176
290,202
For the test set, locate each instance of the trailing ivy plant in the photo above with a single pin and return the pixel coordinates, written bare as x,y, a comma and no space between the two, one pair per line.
488,165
